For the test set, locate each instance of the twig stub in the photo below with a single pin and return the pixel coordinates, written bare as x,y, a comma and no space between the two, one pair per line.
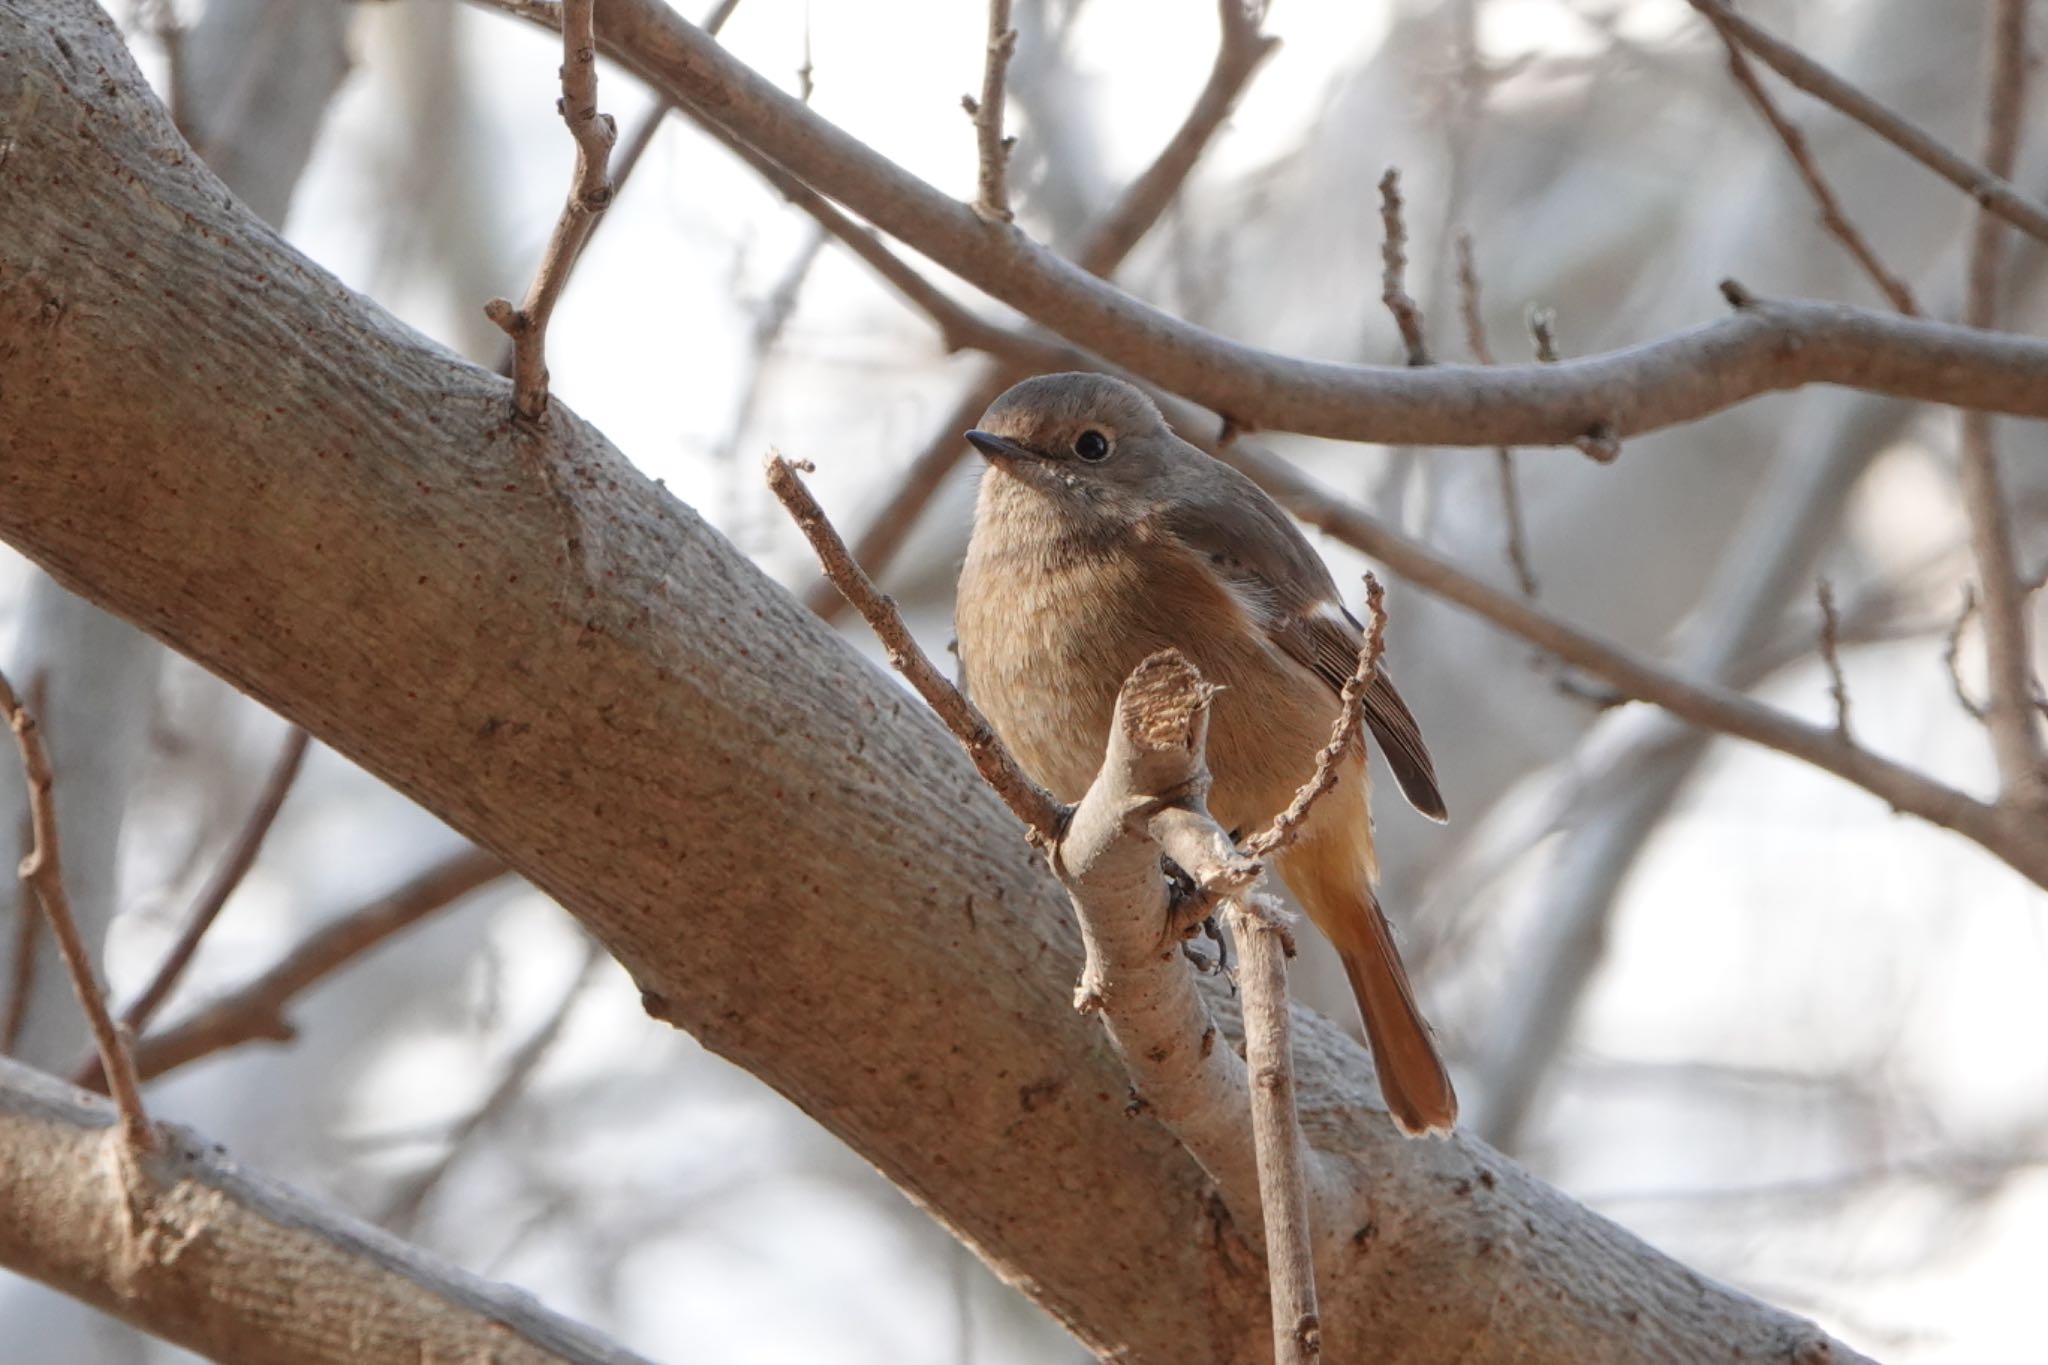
1830,654
1394,268
1163,701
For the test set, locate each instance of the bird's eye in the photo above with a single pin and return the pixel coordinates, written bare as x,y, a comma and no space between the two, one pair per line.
1092,446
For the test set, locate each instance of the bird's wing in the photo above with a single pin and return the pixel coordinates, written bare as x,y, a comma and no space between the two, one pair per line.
1285,586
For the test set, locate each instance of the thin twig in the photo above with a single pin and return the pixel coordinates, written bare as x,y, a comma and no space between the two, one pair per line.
2008,661
43,870
1031,803
1394,269
1831,655
876,547
624,163
21,983
404,1209
771,316
1951,655
807,74
590,193
1987,184
1263,947
1503,458
2022,846
992,202
1343,734
256,1011
1239,53
234,866
1543,333
1832,218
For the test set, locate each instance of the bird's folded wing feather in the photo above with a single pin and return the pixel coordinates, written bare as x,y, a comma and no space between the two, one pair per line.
1284,585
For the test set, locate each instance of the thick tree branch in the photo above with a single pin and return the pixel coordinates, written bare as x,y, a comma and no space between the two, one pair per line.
578,673
1765,346
217,1260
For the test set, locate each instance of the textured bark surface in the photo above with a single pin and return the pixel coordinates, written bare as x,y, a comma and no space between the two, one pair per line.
230,1265
208,435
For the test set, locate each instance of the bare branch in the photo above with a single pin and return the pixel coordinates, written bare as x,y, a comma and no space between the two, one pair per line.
1238,55
628,160
1394,267
1951,655
21,982
2009,708
1832,218
236,1266
160,17
807,74
256,1012
43,870
1350,714
1263,945
771,316
1043,816
1713,708
1831,656
992,204
1766,346
240,857
2023,846
590,193
1987,185
1503,458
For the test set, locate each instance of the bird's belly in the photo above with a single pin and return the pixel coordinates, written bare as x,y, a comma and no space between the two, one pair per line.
1046,656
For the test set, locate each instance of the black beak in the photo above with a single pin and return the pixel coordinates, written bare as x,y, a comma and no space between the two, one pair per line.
998,447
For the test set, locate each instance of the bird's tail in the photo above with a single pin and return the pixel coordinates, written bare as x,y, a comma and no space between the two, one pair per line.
1412,1076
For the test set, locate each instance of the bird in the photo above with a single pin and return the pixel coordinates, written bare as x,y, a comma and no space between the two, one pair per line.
1099,538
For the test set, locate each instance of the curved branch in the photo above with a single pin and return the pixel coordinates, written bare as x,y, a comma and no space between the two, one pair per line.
309,1283
1764,347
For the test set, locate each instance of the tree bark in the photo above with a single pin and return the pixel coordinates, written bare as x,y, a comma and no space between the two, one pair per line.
231,1265
210,436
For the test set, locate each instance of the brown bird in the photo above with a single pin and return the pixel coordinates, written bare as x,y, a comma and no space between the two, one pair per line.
1100,538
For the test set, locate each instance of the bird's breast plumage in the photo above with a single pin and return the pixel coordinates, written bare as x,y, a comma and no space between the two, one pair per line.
1050,625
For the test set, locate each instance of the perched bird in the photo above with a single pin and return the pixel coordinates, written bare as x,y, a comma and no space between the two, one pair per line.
1100,538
